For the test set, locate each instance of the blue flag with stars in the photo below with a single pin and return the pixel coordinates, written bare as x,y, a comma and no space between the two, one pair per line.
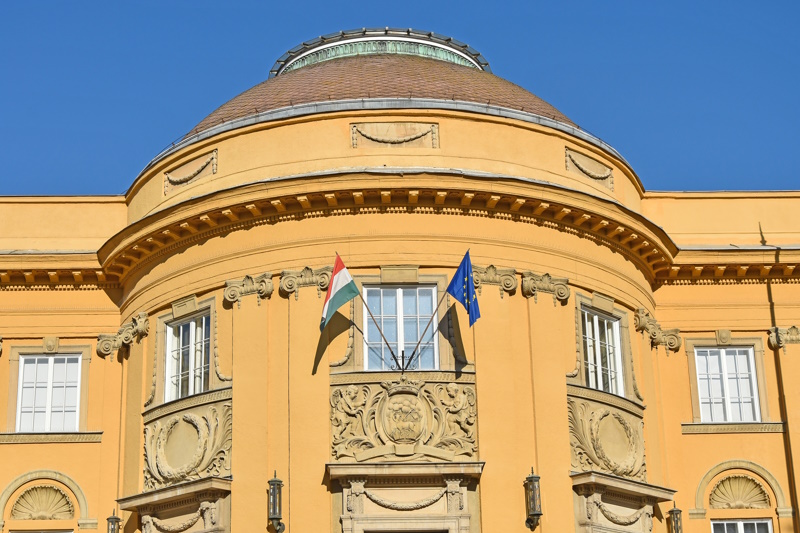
462,287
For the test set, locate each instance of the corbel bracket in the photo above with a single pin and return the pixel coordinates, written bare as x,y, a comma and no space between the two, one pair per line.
670,338
137,328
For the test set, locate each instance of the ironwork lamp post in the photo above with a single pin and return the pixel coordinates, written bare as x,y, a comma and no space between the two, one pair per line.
533,501
675,520
113,522
275,503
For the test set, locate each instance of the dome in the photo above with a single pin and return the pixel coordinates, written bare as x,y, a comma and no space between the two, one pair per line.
380,64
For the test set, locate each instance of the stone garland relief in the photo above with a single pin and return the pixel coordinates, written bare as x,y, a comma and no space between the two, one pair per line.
407,134
605,440
211,456
357,492
138,327
587,166
292,280
190,170
670,338
207,511
403,420
645,513
738,492
43,502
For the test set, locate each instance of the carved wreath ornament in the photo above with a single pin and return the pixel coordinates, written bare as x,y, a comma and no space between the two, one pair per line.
588,448
403,420
211,455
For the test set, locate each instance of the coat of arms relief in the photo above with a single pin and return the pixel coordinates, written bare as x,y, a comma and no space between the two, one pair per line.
403,420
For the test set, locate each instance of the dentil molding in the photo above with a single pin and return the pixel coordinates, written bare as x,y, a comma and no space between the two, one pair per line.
670,338
137,328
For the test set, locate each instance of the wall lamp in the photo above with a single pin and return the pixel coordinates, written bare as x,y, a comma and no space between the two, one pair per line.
675,520
275,503
113,522
533,501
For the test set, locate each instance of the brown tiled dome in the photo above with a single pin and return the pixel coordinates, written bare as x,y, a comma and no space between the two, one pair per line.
380,76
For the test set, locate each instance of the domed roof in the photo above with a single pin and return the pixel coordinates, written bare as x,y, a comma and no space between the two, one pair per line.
307,75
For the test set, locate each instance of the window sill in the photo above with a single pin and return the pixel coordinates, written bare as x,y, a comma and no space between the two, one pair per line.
735,427
46,438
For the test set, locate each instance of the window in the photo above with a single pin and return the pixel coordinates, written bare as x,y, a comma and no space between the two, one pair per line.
726,384
49,393
188,357
741,526
602,355
402,312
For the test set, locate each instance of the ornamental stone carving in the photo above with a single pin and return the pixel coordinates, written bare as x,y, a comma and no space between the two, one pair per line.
207,511
738,492
606,440
405,134
504,278
780,337
43,502
236,289
670,338
292,280
589,167
405,420
532,284
138,327
210,451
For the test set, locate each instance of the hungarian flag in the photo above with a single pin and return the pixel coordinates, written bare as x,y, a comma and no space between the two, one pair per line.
341,290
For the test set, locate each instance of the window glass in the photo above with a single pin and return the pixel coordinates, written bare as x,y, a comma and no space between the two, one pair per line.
726,385
48,397
402,313
601,352
188,357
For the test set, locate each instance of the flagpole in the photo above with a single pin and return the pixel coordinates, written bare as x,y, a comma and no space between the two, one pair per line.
411,359
399,366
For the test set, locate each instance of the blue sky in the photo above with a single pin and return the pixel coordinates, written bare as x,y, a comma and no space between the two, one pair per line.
695,95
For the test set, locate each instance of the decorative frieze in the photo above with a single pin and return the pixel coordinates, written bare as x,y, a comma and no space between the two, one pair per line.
43,502
504,278
292,280
532,284
137,328
670,338
208,456
409,420
780,337
261,285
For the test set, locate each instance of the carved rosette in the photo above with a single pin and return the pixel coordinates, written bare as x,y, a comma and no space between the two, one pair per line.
604,439
738,492
504,278
211,454
780,337
670,338
138,327
532,284
403,420
43,502
292,280
260,285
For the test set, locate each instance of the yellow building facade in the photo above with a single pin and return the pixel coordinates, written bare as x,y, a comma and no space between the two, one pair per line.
162,355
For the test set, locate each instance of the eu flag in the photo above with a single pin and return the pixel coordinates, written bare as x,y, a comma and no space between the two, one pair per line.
462,287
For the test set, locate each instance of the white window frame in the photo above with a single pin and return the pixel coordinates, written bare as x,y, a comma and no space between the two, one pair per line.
725,385
740,523
592,359
49,403
173,393
432,330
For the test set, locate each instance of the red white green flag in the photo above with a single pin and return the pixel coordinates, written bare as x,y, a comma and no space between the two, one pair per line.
341,290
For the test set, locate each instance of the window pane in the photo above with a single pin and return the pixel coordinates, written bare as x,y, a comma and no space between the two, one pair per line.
426,302
762,527
390,329
374,360
409,302
718,528
749,527
389,302
374,301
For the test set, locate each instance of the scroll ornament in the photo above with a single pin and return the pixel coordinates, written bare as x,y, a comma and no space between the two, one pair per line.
137,328
780,337
532,284
43,502
207,511
211,456
504,278
670,338
292,280
405,420
588,452
261,285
